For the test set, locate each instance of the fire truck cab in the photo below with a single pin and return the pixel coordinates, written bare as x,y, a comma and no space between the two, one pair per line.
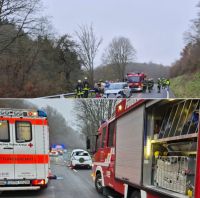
135,81
24,147
150,149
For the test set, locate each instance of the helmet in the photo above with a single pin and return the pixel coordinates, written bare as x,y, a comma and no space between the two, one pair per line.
79,81
156,154
85,78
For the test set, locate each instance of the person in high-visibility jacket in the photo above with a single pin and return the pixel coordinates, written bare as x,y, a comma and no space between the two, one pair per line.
79,89
86,87
159,84
167,84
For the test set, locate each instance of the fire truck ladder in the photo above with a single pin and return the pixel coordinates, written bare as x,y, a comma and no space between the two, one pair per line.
180,120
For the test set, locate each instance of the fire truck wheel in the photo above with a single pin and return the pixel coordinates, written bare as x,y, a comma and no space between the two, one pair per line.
135,194
98,183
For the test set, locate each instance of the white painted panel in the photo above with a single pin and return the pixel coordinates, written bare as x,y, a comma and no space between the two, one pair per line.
129,141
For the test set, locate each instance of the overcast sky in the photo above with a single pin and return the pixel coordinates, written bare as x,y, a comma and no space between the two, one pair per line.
155,27
63,106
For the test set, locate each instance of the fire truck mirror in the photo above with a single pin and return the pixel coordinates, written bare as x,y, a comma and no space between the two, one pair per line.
88,143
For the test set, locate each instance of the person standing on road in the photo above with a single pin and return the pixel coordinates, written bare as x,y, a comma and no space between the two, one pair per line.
79,89
150,85
167,84
159,84
144,87
86,87
163,82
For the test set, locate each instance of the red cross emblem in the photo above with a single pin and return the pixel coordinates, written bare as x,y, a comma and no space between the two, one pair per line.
30,145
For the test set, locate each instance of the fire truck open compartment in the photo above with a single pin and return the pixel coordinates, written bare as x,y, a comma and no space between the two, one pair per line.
129,146
170,146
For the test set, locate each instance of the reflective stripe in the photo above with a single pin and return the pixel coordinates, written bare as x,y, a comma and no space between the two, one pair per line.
24,159
101,164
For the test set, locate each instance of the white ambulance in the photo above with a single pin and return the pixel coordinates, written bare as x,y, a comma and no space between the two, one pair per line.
24,149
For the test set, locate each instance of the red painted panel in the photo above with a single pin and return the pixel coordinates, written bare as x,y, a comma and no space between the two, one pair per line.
151,196
24,159
32,121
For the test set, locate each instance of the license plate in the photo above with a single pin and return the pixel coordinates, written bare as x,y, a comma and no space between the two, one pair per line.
23,182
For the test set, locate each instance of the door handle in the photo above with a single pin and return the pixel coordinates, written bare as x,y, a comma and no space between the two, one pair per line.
8,148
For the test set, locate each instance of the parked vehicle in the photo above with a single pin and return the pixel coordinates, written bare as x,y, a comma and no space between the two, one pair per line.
24,147
57,149
80,158
54,153
117,90
135,81
150,149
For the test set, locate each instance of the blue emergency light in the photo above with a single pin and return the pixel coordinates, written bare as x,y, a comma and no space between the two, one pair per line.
42,113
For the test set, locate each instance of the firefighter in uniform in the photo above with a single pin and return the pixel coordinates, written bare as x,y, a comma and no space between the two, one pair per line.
167,84
163,82
79,89
150,85
144,88
159,84
86,87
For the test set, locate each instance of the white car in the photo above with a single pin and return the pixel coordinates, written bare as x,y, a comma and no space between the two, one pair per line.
117,90
80,158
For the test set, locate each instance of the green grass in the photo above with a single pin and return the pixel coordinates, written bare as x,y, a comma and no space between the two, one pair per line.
186,86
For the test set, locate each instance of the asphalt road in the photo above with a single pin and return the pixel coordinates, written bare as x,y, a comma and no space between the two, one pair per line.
154,94
70,184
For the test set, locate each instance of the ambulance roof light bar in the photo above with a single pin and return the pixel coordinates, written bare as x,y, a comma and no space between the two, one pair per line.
22,113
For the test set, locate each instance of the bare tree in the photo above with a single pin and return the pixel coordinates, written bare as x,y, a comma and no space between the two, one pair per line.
19,14
192,36
88,45
91,113
118,54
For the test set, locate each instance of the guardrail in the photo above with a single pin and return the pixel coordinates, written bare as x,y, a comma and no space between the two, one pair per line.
66,95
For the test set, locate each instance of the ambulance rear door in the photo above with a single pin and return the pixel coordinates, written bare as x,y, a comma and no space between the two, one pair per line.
6,151
24,150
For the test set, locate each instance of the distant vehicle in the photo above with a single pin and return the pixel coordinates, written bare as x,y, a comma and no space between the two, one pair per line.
117,90
59,148
80,158
135,81
53,153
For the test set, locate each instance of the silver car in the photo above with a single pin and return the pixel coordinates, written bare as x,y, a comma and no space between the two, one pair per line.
117,90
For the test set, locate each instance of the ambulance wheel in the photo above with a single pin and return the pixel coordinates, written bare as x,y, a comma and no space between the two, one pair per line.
135,194
98,184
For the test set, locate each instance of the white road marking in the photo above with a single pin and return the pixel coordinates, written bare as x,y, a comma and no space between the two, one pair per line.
167,94
75,170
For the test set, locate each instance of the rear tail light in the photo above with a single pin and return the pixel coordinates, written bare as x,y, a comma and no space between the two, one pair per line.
38,182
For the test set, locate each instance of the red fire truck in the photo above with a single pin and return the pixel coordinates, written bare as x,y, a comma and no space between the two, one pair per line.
150,149
135,81
24,147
